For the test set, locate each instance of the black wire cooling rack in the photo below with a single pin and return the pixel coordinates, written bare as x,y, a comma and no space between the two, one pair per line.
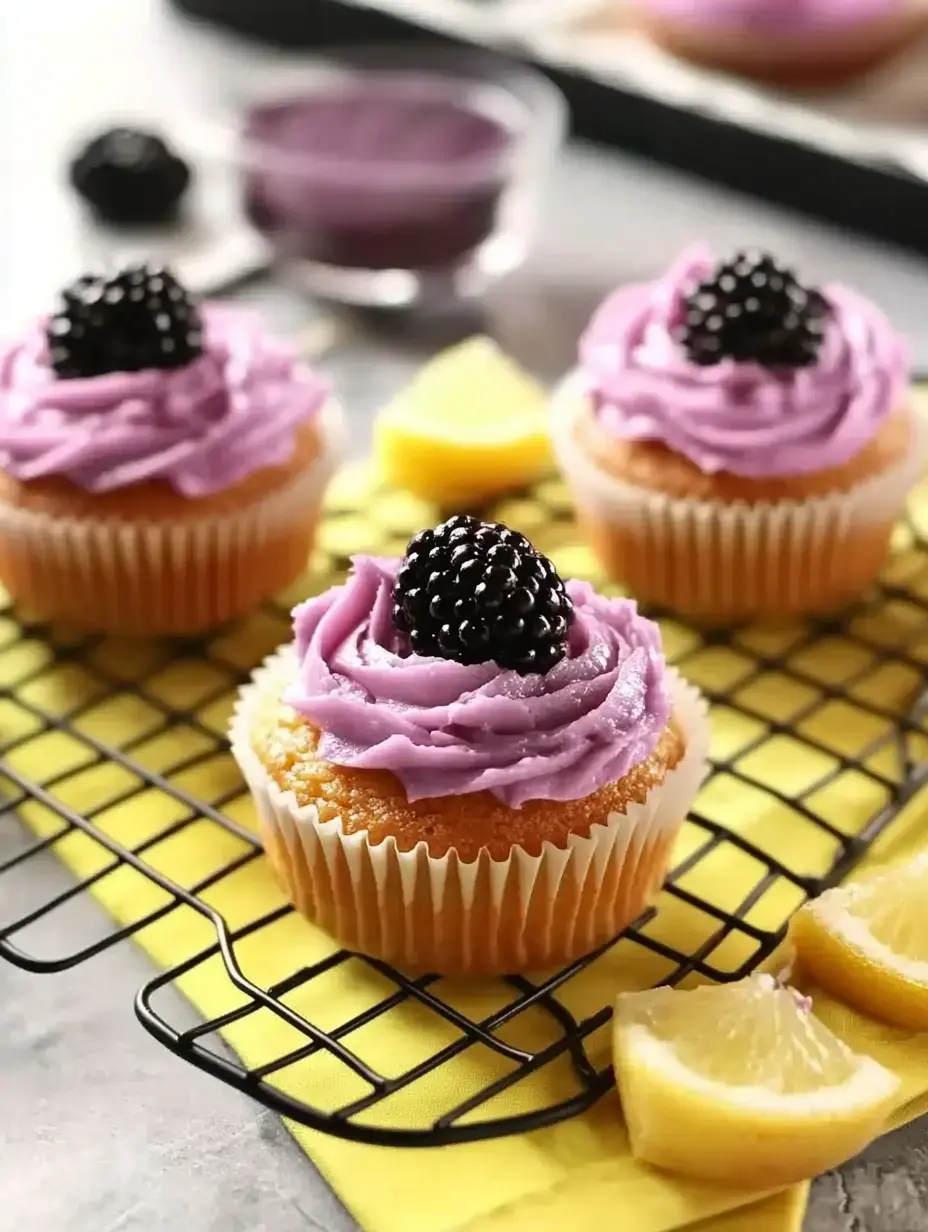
835,703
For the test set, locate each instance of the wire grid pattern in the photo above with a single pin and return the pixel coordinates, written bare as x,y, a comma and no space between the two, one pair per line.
114,753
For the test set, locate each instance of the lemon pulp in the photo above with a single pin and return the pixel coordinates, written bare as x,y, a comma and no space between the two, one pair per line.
470,426
742,1084
867,944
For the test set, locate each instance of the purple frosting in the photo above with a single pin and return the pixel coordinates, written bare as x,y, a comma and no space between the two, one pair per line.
444,728
201,428
383,172
736,417
786,17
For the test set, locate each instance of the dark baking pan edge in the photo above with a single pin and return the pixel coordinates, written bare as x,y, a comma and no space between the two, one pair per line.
883,202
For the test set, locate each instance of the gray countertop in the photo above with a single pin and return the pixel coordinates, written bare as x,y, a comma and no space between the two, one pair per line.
101,1129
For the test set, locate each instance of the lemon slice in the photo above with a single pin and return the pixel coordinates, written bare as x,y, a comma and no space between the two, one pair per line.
741,1083
471,426
867,944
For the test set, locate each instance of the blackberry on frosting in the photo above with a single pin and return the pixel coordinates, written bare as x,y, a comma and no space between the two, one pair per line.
764,485
136,485
139,318
753,310
477,802
476,592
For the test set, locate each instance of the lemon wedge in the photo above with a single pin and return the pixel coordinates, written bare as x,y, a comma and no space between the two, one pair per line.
740,1083
867,944
469,427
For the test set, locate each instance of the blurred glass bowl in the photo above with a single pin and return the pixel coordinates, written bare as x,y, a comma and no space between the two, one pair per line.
389,176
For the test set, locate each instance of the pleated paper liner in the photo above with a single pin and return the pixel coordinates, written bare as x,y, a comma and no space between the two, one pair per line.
425,913
735,559
141,573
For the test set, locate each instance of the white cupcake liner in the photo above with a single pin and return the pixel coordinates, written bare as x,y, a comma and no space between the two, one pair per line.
733,558
138,576
486,916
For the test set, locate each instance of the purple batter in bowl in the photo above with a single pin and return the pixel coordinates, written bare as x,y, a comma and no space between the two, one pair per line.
427,162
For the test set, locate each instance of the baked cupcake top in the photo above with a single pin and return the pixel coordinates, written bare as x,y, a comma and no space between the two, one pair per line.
789,17
130,381
447,718
741,369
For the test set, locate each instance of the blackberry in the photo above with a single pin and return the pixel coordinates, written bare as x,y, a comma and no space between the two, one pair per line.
476,591
140,318
130,176
752,310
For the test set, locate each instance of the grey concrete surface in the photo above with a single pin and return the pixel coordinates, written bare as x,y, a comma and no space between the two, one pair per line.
101,1130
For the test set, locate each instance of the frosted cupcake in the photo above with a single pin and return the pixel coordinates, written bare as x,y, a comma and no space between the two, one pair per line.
791,42
738,444
463,764
161,465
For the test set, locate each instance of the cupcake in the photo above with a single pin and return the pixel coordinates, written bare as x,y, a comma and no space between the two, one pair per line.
788,42
462,764
739,445
161,464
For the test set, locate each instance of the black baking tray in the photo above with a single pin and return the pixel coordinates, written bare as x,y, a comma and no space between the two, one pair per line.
879,200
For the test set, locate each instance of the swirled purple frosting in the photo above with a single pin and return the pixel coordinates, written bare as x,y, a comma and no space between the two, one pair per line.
201,428
446,728
739,417
780,16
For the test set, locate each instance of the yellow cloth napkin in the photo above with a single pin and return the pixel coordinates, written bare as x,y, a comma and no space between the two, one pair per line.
577,1175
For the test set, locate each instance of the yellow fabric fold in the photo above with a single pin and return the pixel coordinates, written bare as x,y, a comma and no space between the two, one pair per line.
575,1175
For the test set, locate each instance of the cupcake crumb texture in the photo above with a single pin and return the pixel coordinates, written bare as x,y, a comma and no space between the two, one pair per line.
374,801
